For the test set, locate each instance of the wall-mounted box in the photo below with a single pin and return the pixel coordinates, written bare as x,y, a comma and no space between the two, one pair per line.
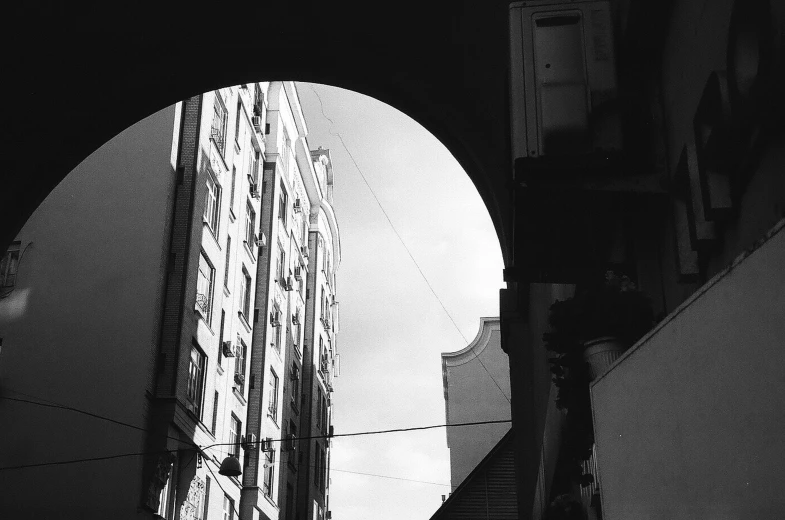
564,94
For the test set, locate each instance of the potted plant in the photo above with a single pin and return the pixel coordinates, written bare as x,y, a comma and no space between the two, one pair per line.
600,323
588,332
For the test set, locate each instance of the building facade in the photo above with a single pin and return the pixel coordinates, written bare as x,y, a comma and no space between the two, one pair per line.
470,377
195,227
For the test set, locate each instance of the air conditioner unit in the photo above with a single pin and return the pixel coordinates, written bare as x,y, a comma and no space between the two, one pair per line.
267,444
563,80
295,372
257,123
298,207
261,240
227,349
298,273
239,379
304,250
255,191
249,442
292,444
289,284
296,318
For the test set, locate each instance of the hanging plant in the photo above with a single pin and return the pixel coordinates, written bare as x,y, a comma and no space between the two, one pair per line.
616,310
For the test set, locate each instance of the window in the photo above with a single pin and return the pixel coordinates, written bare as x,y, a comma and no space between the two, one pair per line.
250,226
295,377
290,445
215,412
9,266
322,302
218,129
253,166
321,352
269,473
228,509
206,498
237,122
323,472
228,255
282,204
325,425
212,202
319,408
281,266
239,366
195,386
272,409
285,153
318,464
258,100
231,193
221,337
277,332
245,294
204,288
235,435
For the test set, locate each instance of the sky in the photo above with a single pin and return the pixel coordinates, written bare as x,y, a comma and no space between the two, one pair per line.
393,328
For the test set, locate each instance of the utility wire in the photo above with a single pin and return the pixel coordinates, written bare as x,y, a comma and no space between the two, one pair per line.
91,459
389,477
200,448
389,221
325,436
207,465
84,412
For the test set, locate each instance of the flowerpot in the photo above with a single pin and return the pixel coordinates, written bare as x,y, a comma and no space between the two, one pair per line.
600,353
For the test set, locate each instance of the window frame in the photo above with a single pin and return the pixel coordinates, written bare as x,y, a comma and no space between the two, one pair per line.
212,202
219,123
283,204
205,310
268,480
272,407
239,364
250,225
194,391
245,295
235,435
9,265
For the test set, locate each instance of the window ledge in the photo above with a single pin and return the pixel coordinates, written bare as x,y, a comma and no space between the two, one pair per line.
227,293
219,369
244,321
239,395
269,499
205,224
249,251
232,216
273,419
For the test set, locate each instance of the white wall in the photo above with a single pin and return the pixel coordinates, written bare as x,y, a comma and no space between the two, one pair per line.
689,423
471,395
81,329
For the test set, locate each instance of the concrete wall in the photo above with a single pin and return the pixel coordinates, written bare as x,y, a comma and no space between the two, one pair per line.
689,422
81,329
471,395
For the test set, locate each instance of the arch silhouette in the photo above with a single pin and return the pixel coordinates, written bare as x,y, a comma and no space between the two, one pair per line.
88,73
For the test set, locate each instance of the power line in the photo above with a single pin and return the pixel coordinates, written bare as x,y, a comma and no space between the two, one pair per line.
90,459
207,465
52,404
389,477
326,436
389,221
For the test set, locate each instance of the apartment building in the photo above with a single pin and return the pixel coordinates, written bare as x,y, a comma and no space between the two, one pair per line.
162,292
